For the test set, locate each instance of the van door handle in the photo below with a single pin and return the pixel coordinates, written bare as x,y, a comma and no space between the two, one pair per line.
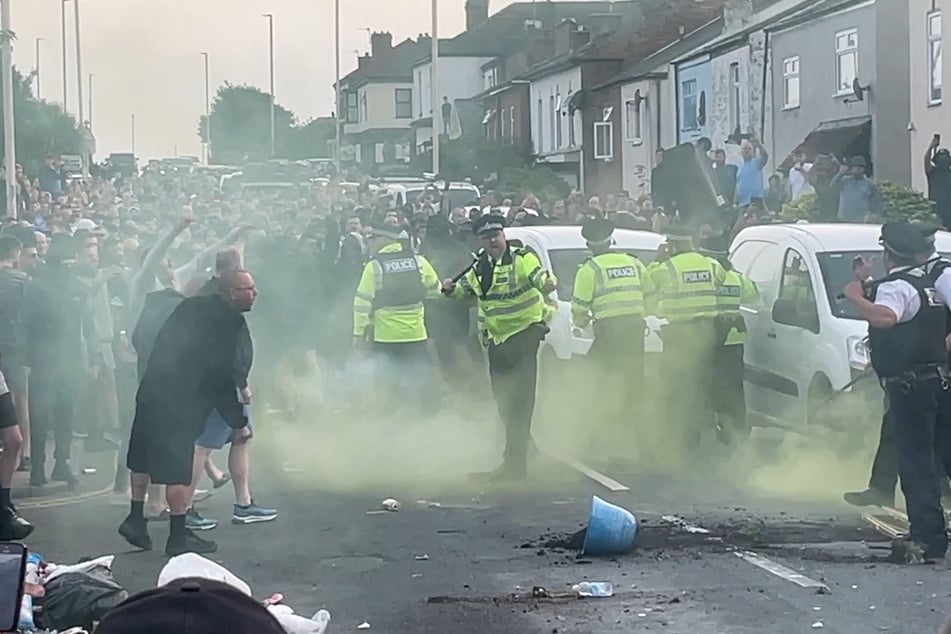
771,334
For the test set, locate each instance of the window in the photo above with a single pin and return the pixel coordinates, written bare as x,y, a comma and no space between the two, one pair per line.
541,125
489,78
735,96
934,58
572,137
551,122
353,112
688,104
419,83
559,135
846,60
604,140
791,82
743,255
404,103
632,119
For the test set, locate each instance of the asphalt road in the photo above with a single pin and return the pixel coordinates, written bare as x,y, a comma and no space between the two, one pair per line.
485,546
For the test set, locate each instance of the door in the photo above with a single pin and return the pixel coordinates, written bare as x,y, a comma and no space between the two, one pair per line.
794,329
761,262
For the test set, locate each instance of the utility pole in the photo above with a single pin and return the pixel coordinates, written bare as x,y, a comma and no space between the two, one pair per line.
65,69
338,107
38,40
434,85
133,134
270,46
9,133
89,118
79,82
207,113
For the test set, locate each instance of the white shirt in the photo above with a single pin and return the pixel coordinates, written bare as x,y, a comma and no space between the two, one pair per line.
900,297
943,284
798,184
3,385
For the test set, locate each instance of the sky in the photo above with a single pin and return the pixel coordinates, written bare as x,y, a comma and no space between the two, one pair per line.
145,56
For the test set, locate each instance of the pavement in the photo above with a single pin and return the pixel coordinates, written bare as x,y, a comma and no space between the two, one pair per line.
783,553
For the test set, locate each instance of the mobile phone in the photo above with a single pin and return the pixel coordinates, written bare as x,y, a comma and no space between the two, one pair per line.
937,138
12,576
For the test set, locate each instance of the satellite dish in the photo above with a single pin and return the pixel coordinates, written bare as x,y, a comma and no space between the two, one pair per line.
858,90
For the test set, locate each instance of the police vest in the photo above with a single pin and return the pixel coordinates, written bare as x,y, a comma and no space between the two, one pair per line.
914,343
617,285
399,282
934,272
691,291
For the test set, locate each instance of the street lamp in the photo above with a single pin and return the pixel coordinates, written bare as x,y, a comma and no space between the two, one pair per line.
37,67
89,119
337,85
9,145
65,70
133,134
434,86
270,37
207,140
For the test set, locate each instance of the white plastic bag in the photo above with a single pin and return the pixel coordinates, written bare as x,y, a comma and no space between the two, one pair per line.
296,624
192,565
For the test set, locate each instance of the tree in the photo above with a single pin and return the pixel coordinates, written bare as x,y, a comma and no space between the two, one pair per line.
309,140
241,125
901,203
41,128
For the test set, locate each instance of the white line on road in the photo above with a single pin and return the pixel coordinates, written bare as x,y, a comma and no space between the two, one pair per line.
600,478
780,571
682,523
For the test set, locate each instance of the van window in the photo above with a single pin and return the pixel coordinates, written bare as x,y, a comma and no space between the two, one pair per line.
744,254
764,271
796,286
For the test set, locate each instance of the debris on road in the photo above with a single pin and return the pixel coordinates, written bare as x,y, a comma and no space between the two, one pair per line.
611,530
363,626
598,589
817,625
682,524
421,557
389,504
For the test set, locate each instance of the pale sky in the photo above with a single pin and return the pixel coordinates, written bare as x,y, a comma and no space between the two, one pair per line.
145,55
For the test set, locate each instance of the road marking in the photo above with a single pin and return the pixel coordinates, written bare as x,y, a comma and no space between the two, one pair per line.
600,478
780,571
64,500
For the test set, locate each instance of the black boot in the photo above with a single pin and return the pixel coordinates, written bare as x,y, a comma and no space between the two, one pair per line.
190,543
869,497
13,527
136,532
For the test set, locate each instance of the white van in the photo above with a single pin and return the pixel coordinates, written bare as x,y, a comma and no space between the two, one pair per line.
804,340
562,250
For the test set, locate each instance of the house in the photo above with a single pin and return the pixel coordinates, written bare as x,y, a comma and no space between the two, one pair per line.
841,84
926,77
576,96
648,95
485,57
376,101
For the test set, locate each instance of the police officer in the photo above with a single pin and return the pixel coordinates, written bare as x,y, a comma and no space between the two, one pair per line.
908,352
729,397
884,477
388,312
687,286
609,290
510,286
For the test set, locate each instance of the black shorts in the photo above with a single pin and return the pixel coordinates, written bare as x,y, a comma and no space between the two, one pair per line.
8,413
15,376
166,453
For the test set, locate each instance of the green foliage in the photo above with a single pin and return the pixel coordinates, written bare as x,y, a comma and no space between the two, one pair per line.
536,179
901,203
42,128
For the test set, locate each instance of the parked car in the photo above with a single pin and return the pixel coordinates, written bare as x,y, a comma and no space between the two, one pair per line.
804,340
562,250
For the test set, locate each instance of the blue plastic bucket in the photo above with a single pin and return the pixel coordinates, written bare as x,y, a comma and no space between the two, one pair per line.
611,530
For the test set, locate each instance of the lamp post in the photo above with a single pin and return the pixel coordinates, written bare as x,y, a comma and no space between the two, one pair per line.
270,45
89,118
37,67
434,86
9,146
207,113
65,69
337,108
133,133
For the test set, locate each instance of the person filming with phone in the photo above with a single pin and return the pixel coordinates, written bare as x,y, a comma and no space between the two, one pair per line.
938,171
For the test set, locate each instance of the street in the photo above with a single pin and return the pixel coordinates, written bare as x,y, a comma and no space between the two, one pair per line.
461,556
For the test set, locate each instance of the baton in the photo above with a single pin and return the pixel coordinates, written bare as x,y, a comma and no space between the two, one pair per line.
867,373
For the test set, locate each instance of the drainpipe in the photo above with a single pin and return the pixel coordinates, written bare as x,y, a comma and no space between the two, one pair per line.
762,121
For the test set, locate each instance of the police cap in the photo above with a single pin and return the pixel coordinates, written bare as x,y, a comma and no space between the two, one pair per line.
928,230
488,223
597,230
383,230
904,239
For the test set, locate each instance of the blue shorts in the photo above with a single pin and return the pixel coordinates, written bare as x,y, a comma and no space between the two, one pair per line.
217,432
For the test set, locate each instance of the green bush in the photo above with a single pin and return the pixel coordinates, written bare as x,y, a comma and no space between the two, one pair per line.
901,203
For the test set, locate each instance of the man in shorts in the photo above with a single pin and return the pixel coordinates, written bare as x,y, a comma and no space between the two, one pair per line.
189,374
12,526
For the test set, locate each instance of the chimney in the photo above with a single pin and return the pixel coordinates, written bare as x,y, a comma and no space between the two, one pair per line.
380,44
477,12
603,23
737,14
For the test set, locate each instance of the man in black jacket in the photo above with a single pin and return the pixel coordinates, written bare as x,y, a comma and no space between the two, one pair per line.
189,373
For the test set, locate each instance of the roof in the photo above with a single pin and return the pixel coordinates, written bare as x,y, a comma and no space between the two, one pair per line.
656,63
504,32
396,65
817,9
765,14
834,236
658,25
